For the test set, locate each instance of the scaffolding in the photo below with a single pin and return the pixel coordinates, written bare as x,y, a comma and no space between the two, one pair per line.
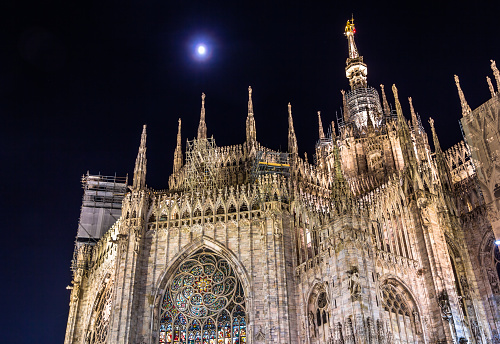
270,163
202,164
364,102
101,206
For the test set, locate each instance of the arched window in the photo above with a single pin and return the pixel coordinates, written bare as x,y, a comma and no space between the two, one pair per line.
99,322
204,303
404,320
319,329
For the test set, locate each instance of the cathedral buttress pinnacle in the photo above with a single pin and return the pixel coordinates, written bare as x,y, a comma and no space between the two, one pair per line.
250,125
355,69
414,120
437,146
465,107
292,139
490,86
320,127
387,110
344,106
178,150
202,128
140,164
496,73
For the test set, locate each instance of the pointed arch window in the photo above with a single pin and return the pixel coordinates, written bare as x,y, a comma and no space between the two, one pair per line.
401,313
204,303
99,323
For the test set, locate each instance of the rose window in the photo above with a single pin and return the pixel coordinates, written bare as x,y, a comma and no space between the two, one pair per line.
204,303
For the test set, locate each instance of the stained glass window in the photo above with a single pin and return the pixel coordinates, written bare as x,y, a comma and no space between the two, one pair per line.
204,303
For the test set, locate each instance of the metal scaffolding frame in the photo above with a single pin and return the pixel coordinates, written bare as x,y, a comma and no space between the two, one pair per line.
270,163
202,164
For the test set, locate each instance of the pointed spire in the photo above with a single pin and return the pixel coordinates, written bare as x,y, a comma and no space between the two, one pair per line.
202,128
292,139
349,32
414,120
334,132
139,181
178,150
465,107
490,86
250,125
321,131
355,69
344,106
437,146
399,110
387,110
496,73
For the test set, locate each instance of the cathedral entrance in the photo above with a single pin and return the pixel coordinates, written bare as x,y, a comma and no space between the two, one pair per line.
204,303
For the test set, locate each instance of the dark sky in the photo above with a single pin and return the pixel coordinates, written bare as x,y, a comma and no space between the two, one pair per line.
79,78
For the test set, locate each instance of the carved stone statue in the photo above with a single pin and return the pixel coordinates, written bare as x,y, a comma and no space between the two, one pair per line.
416,319
444,304
312,328
354,285
493,279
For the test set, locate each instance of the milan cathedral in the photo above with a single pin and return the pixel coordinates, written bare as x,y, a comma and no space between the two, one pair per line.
380,240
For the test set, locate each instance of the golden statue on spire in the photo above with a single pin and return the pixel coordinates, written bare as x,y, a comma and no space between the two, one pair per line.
349,27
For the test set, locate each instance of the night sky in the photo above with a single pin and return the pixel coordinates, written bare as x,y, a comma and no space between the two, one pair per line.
78,79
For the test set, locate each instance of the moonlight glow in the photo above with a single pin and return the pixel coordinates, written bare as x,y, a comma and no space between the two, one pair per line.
202,50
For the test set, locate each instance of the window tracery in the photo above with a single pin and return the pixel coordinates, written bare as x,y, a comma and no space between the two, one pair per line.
318,316
99,323
204,303
402,314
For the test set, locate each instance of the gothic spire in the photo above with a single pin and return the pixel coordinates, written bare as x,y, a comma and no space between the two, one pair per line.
334,132
139,181
465,107
250,125
202,128
292,139
387,110
414,120
496,73
437,146
490,86
355,69
320,127
178,150
399,110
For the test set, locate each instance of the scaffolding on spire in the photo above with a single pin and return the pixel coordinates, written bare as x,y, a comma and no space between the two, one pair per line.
202,159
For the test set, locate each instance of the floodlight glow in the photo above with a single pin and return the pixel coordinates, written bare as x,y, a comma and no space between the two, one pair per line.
497,242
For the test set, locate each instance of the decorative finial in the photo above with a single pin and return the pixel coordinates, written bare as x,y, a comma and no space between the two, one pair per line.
490,86
387,110
465,107
321,132
334,131
202,127
496,73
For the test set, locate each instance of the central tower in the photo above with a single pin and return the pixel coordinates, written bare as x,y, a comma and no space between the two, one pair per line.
362,102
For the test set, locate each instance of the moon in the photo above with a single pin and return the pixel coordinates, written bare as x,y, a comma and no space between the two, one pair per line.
202,50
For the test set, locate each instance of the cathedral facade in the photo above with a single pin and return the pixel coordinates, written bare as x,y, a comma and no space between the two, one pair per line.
379,240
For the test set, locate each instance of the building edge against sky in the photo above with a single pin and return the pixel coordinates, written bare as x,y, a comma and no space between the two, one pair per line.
379,240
